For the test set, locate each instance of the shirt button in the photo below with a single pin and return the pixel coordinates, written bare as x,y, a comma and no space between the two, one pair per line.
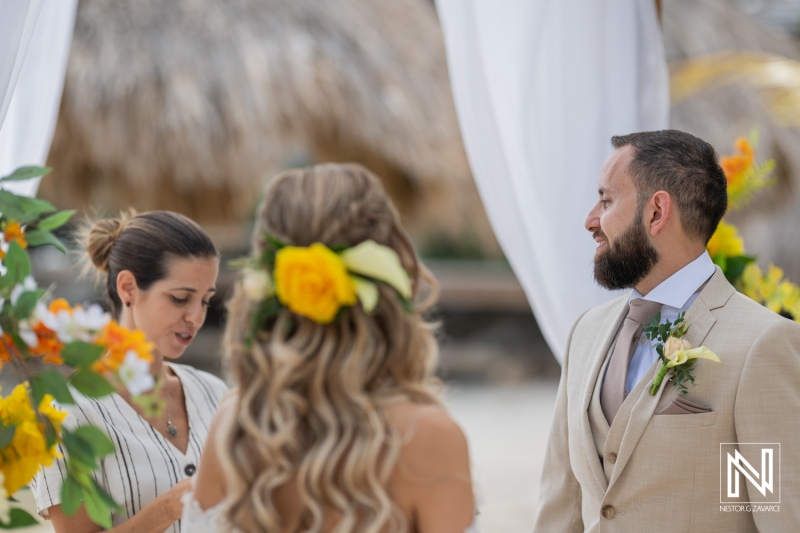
190,469
609,512
612,458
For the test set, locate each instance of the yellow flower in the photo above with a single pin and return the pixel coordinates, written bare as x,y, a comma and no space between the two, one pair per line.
725,241
680,357
28,450
313,282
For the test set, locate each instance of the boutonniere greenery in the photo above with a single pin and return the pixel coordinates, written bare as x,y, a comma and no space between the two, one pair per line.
675,353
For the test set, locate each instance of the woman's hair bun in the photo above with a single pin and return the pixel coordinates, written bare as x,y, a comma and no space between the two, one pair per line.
100,237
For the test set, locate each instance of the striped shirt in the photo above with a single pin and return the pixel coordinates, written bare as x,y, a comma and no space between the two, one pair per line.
145,463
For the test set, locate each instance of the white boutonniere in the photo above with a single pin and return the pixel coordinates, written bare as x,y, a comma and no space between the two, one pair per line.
675,353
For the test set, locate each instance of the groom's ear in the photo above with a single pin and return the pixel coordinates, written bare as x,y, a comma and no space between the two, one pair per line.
658,212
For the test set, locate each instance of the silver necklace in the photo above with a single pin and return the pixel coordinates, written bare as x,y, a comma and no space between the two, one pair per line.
172,431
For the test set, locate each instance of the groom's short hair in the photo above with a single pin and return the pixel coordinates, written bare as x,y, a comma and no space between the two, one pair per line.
687,168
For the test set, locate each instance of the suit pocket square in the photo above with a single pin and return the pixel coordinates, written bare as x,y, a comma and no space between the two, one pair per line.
681,406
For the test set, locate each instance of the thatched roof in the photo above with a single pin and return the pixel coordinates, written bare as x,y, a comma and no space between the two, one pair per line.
191,104
734,105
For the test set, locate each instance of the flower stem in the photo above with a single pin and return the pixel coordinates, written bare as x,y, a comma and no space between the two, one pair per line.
662,371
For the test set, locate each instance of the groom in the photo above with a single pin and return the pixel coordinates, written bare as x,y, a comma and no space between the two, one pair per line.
622,459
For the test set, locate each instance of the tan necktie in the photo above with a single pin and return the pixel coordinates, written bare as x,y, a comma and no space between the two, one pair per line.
613,392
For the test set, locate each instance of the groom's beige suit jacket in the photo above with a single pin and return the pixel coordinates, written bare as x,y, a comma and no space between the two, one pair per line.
653,472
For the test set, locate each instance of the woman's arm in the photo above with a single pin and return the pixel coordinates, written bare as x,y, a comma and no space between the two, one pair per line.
154,517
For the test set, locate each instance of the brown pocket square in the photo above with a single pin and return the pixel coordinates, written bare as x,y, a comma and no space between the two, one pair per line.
681,406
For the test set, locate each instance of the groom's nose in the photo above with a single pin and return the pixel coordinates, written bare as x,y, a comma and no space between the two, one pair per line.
592,222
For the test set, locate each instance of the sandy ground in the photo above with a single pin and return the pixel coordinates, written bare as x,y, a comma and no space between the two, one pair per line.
507,431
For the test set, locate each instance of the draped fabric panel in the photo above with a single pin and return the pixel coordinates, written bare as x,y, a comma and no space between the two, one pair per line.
33,104
17,20
540,86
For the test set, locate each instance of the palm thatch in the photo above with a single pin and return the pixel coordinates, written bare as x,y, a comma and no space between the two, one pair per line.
728,74
191,105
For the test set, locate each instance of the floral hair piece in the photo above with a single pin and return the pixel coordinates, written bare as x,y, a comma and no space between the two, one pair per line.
317,281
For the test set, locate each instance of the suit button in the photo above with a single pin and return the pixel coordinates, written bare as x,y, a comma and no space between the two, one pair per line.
612,458
609,512
190,470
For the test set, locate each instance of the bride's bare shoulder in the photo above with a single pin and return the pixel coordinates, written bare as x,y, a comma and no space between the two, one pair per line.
433,445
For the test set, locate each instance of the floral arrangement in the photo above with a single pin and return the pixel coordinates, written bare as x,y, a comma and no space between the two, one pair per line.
726,246
52,348
317,281
675,353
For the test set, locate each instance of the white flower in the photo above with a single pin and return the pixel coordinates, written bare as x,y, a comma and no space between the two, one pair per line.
256,284
61,323
27,334
28,285
5,506
135,374
90,320
378,262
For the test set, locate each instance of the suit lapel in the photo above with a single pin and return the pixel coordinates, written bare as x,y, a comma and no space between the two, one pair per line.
716,294
635,415
595,362
639,413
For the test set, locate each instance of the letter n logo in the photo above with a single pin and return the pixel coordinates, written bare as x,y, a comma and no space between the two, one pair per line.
739,462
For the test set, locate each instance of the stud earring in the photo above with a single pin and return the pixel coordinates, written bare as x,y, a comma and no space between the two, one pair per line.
127,304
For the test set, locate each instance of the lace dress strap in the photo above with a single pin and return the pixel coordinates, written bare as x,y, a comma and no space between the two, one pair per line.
197,520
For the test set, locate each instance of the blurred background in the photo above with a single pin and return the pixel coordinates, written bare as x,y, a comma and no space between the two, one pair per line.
192,105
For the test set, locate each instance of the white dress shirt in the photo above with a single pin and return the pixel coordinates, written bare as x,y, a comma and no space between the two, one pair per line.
675,294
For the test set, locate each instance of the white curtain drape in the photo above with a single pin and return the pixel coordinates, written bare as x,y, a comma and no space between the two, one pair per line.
17,20
540,86
39,66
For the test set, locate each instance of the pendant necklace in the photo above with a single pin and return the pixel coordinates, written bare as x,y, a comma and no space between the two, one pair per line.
172,431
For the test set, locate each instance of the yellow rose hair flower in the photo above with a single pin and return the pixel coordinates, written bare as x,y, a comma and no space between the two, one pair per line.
317,281
313,282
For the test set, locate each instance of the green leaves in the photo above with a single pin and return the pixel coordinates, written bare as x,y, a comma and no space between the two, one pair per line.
98,441
55,221
19,518
85,447
26,303
6,434
70,496
91,383
18,265
41,238
23,209
26,173
50,381
81,354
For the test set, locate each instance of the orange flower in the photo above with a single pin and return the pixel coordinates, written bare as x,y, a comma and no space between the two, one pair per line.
14,232
49,347
737,165
118,341
7,349
58,305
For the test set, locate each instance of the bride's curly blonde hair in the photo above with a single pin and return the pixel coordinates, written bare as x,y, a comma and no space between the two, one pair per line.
311,403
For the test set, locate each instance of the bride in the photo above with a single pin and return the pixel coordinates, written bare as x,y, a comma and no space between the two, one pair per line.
335,425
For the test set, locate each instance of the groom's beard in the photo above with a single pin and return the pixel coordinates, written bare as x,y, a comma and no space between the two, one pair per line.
626,262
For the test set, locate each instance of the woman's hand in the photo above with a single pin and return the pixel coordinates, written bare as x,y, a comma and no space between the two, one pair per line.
173,497
155,517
